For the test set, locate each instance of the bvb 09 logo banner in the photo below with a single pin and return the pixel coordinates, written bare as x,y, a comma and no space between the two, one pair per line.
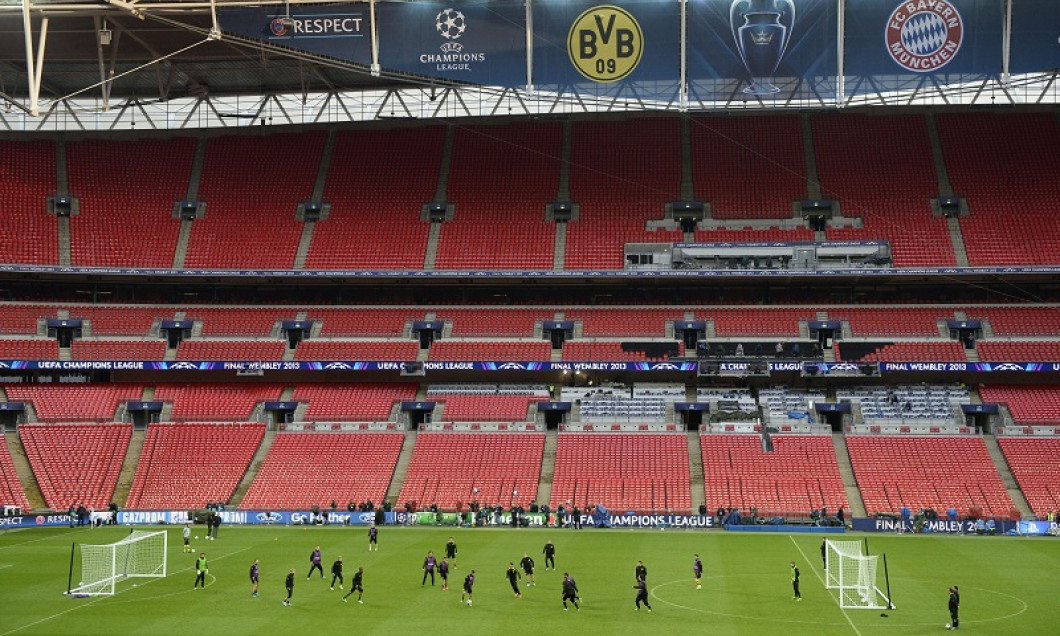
605,43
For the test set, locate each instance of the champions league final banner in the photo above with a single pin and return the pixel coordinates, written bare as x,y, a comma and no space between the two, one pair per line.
765,49
893,45
1035,43
341,31
478,41
602,50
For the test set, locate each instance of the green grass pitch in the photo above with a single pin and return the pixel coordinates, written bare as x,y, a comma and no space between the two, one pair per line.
1008,586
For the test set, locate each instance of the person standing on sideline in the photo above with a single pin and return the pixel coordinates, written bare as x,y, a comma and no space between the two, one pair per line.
954,605
513,578
550,556
356,585
795,581
824,556
428,568
697,571
443,573
528,569
570,592
255,575
186,533
642,594
289,584
450,551
202,568
641,573
336,573
373,538
314,560
469,582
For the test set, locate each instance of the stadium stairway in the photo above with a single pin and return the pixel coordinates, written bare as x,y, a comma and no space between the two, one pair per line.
941,173
180,254
128,466
695,470
548,466
308,227
846,471
62,187
397,480
813,186
1007,478
25,474
253,468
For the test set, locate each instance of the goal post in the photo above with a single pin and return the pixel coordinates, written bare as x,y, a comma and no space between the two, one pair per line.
856,576
142,554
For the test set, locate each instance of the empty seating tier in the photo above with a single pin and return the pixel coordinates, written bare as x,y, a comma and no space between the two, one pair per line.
950,351
11,493
490,350
76,463
118,349
231,350
1029,405
215,402
493,321
39,349
760,321
798,476
1018,350
636,471
74,402
357,350
27,177
927,472
486,408
896,321
185,466
352,403
450,469
607,351
121,320
1020,321
315,469
1033,463
22,319
364,322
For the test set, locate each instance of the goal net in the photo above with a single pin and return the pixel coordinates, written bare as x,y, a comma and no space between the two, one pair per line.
854,575
142,554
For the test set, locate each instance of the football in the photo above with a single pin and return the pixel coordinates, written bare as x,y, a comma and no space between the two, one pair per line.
948,626
196,537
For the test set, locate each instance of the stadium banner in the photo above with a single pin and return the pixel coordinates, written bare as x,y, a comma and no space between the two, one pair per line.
342,31
247,517
762,49
1034,528
476,41
1034,45
942,526
633,520
602,50
900,45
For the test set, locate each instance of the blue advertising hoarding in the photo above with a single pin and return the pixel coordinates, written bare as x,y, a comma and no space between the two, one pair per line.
762,49
341,31
892,45
604,50
1035,43
478,41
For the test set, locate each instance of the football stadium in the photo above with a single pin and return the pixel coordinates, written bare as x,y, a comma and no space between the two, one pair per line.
678,316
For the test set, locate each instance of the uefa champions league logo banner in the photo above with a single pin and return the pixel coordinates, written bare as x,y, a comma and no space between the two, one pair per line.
762,49
630,49
907,44
342,31
1035,43
478,42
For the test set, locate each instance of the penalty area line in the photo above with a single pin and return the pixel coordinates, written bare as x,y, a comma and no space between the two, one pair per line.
806,560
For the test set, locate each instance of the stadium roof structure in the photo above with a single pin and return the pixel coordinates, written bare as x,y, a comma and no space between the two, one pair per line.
166,64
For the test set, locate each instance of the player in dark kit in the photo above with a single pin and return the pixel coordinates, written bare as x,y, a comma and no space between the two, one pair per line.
356,585
255,574
450,551
824,557
570,592
443,573
513,578
550,556
641,573
428,568
336,573
642,594
289,584
373,538
469,582
314,560
697,571
954,606
528,569
202,568
795,581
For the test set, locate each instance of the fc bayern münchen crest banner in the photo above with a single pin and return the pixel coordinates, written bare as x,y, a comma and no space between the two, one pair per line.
468,41
1035,42
342,31
762,49
898,45
604,50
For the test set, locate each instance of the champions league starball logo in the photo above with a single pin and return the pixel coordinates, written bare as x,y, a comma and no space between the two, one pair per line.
450,24
923,36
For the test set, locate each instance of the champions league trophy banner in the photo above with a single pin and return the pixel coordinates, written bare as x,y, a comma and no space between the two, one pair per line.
762,30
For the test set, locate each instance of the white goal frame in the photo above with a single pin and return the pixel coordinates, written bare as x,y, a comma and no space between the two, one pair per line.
142,554
854,575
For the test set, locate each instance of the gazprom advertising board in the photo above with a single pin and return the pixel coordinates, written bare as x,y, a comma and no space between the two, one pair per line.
342,31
